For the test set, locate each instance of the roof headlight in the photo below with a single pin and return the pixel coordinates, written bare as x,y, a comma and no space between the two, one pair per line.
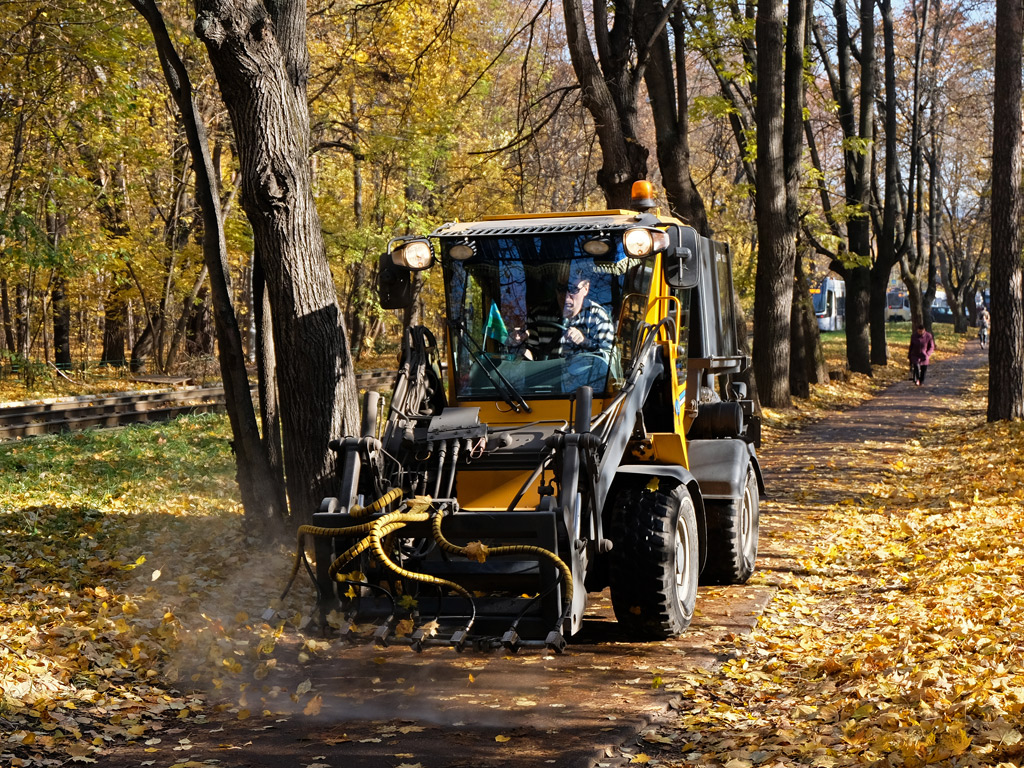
462,251
641,242
413,254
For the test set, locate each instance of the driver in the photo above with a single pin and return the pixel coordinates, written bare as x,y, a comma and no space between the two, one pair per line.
588,327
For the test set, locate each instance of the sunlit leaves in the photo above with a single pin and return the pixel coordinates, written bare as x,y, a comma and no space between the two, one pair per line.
894,638
90,643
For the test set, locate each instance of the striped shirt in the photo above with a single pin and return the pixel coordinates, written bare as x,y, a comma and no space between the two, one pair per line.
596,326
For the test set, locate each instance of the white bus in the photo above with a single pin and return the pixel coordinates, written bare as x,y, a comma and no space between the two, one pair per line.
897,306
830,304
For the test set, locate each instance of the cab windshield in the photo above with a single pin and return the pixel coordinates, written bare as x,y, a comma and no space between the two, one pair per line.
538,315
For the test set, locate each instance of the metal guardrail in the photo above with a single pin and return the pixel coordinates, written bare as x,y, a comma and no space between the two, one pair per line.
375,377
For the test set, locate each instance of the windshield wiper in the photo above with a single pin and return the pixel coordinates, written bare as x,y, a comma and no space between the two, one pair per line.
508,391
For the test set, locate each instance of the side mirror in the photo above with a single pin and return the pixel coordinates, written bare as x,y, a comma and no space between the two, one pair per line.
680,262
394,284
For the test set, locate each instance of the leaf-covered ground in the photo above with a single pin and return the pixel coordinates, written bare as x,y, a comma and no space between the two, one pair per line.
898,637
131,600
125,579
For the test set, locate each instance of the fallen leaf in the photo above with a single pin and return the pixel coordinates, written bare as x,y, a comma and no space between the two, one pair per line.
312,707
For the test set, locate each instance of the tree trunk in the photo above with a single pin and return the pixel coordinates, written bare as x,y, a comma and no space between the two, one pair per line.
8,320
188,311
858,311
805,346
61,313
22,322
262,66
776,257
143,348
262,497
198,335
877,293
115,323
609,92
266,372
1006,355
799,386
665,77
857,123
888,248
811,355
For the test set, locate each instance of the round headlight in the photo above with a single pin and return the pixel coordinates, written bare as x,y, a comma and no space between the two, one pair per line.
638,242
461,251
414,255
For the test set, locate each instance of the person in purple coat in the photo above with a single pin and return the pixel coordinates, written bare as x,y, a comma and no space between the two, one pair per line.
922,344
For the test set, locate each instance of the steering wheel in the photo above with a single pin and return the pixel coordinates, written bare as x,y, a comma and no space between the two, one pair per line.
544,352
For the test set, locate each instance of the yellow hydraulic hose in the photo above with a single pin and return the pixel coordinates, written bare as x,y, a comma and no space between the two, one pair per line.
316,530
410,517
378,506
419,510
511,549
356,550
352,530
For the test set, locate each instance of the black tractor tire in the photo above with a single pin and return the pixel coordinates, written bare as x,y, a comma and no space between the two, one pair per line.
732,535
654,562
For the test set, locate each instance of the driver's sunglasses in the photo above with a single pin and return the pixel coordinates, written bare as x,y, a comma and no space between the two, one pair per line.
571,291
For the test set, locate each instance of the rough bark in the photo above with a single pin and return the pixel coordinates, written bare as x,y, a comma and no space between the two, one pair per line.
609,92
805,346
22,321
266,371
856,121
8,320
815,370
261,63
61,314
262,498
776,257
1006,355
115,320
665,77
189,311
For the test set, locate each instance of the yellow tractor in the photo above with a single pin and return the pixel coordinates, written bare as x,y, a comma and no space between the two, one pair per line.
578,429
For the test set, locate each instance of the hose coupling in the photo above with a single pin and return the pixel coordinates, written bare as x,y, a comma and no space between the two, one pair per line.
555,641
511,641
458,640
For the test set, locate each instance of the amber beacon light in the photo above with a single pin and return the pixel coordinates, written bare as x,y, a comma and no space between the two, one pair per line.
642,195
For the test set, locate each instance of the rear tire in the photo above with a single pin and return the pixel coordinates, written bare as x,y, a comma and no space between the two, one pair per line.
732,535
654,562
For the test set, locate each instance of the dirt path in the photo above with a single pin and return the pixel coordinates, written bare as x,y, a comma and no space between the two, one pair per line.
805,465
583,708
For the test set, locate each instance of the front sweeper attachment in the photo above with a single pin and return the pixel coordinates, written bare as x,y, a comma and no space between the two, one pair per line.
414,571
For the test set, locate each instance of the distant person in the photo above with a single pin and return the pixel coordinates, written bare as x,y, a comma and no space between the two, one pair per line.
922,344
984,325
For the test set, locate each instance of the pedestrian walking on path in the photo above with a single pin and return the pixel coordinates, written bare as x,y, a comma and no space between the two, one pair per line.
922,344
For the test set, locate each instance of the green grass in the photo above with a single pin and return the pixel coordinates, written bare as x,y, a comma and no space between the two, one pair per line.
184,464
